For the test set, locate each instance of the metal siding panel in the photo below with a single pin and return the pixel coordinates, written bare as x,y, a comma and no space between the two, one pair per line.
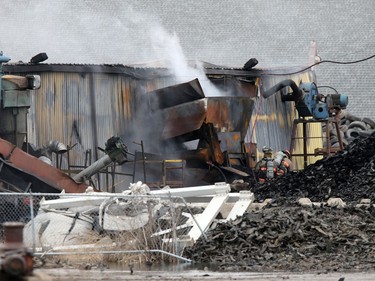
77,121
84,109
124,103
104,125
57,105
273,121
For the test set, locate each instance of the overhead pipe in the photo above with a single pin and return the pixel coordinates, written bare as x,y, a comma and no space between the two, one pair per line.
56,147
296,95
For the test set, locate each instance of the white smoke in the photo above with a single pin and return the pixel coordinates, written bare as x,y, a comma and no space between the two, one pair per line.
167,47
93,32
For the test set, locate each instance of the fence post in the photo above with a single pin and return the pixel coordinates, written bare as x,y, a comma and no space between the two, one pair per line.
32,220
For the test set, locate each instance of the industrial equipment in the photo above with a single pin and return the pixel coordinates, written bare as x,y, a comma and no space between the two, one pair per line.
116,151
206,132
308,101
24,172
312,107
15,260
15,100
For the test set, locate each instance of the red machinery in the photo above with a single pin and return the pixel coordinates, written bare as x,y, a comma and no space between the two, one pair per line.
15,260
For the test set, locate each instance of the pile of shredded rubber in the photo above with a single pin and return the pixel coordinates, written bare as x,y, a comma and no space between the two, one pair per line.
291,239
286,236
350,175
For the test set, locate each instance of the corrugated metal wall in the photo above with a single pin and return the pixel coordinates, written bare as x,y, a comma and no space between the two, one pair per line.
84,109
272,122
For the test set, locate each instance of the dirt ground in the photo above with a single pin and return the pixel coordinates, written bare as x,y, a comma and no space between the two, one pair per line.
96,275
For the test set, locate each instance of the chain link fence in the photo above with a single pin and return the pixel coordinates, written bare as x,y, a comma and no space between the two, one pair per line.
151,227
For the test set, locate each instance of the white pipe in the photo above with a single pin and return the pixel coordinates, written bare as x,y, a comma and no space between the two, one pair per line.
218,188
96,198
93,169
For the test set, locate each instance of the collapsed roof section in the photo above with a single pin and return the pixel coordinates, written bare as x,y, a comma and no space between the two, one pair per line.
180,113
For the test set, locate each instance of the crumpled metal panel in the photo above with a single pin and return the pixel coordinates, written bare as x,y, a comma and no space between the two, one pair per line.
172,111
182,108
174,95
227,114
183,118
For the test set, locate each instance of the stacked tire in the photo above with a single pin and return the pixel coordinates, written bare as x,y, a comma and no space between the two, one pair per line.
350,128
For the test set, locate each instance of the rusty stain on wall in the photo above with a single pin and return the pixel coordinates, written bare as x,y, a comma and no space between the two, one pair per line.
83,105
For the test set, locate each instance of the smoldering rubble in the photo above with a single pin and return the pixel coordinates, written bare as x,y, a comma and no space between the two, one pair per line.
350,175
286,235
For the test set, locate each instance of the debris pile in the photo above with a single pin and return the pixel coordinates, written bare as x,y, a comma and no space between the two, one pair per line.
292,239
287,236
349,175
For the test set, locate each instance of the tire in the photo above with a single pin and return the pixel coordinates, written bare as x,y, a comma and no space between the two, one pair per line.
336,144
342,114
333,139
343,128
369,122
352,133
358,124
366,133
334,133
342,122
345,142
352,117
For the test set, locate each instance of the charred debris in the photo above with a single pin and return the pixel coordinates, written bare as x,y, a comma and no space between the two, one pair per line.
192,128
348,175
319,219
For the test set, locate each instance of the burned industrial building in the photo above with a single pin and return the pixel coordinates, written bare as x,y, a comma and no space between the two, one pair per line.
128,142
208,129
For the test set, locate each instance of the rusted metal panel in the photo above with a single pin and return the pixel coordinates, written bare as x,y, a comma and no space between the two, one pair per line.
174,95
230,114
54,178
227,114
230,142
183,118
173,111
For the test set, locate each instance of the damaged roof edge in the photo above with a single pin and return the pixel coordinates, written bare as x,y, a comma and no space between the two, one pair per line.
141,73
137,72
